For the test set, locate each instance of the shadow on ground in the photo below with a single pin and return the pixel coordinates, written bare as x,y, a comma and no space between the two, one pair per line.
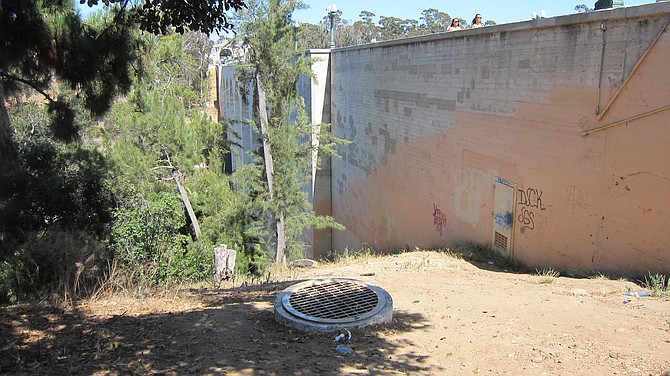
232,332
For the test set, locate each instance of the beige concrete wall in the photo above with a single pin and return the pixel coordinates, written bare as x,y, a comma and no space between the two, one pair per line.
435,120
316,93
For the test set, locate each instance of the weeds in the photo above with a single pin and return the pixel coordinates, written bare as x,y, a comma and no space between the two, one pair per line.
348,256
450,253
484,253
418,264
547,276
601,277
658,284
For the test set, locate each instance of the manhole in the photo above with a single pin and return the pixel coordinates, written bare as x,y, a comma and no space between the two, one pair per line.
327,305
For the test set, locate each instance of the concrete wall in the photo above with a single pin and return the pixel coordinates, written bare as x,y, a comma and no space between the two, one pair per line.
316,93
232,107
435,121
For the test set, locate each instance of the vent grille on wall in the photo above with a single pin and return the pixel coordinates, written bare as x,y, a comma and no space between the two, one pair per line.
500,241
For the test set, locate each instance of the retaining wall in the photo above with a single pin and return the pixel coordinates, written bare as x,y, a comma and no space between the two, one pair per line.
547,138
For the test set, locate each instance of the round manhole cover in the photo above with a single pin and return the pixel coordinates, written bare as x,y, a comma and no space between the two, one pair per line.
332,304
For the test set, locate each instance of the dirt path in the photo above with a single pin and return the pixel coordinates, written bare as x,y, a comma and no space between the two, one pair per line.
451,317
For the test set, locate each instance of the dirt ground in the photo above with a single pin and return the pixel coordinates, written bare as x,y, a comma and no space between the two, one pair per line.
450,317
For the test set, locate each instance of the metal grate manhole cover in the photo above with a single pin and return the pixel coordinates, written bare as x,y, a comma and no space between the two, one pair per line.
332,304
332,301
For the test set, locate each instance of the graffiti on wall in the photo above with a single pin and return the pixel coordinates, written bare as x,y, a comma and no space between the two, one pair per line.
577,197
530,201
439,219
504,220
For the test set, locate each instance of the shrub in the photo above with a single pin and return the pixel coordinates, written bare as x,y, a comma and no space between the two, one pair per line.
72,264
146,235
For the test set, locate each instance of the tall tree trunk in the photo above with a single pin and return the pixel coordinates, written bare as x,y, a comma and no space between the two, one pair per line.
280,255
9,156
281,239
187,203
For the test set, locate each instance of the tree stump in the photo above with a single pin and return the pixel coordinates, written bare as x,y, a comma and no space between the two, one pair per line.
224,263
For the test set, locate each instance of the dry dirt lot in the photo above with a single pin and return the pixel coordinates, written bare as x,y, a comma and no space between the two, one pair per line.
451,317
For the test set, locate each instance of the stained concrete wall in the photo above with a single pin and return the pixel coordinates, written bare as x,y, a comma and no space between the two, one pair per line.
434,121
244,138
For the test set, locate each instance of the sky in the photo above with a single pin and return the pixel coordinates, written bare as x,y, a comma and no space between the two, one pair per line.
500,11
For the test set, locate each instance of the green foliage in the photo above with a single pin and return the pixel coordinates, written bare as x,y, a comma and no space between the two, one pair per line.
45,40
161,16
582,8
313,36
223,212
658,284
253,261
41,39
268,34
292,178
172,71
117,184
149,242
55,204
546,276
160,130
195,263
15,278
147,228
60,184
394,28
365,30
435,21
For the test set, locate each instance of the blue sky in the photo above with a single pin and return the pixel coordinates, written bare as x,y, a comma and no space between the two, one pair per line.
501,11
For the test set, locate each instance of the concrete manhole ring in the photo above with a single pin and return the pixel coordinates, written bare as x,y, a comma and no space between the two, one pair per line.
332,304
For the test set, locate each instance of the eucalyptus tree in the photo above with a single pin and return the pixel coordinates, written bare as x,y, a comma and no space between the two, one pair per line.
582,8
313,36
434,21
392,28
366,28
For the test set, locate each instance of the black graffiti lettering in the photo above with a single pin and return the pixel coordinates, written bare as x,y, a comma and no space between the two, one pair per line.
526,218
532,198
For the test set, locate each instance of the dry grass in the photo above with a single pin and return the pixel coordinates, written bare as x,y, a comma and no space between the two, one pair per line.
546,276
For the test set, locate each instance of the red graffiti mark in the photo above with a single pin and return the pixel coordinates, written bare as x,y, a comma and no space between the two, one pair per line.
439,219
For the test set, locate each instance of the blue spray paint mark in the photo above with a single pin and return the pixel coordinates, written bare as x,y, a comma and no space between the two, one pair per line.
504,220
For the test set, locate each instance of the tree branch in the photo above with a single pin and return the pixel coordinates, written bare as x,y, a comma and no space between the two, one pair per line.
28,83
